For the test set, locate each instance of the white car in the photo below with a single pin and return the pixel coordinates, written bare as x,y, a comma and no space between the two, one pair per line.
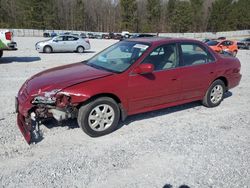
63,43
6,41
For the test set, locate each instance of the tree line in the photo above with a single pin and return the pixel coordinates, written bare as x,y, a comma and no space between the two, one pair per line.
149,16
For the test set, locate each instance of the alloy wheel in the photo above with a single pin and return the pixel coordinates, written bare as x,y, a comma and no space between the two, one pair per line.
101,117
216,94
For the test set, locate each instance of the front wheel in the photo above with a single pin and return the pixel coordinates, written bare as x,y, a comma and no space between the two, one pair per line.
214,94
47,49
99,117
1,53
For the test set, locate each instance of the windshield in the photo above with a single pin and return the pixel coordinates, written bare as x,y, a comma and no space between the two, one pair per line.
212,43
118,57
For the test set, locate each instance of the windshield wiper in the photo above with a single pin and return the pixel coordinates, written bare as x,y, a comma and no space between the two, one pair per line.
101,68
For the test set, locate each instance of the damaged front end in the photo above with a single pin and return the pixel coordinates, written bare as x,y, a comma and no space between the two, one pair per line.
44,105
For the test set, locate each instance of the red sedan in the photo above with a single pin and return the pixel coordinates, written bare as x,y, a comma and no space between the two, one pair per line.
130,77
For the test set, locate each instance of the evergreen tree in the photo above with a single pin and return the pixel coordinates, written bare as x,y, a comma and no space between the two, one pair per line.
79,14
182,16
128,15
241,14
50,15
131,15
220,18
170,12
197,10
153,15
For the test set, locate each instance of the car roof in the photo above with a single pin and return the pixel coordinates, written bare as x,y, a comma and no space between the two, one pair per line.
159,40
69,35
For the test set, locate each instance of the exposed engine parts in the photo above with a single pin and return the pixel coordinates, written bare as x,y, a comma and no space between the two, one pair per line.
48,106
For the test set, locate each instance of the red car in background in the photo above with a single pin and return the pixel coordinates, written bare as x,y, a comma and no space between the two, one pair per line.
130,77
224,45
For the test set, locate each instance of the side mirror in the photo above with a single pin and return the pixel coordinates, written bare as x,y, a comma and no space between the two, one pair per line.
55,40
144,68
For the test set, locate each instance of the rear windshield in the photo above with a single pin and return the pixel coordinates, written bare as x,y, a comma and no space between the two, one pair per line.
212,43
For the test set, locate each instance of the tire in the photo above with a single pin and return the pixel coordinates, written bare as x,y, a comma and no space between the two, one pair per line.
93,119
234,53
1,53
214,94
80,49
47,49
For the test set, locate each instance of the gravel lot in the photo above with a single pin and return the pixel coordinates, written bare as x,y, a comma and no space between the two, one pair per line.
186,145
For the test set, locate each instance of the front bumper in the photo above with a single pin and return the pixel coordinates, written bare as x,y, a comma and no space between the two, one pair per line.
24,128
39,48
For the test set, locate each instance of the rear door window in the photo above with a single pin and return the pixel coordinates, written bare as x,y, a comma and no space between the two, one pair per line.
194,54
71,38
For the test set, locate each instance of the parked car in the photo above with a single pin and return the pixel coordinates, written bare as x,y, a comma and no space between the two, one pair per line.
105,36
63,43
53,34
91,35
206,40
226,45
83,35
244,44
125,33
140,35
49,34
46,34
98,36
137,35
222,38
75,34
117,36
129,77
6,41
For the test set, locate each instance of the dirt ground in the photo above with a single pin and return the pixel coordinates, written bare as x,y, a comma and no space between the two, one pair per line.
185,145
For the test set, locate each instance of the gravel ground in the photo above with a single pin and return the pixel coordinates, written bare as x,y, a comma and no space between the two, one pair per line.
185,145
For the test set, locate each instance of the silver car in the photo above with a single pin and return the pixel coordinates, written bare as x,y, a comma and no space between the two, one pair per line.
63,43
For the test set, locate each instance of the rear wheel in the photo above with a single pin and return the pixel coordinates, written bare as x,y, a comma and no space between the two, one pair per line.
1,53
80,49
47,49
214,94
99,117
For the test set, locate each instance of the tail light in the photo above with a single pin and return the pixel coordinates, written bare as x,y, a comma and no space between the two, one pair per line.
87,40
8,35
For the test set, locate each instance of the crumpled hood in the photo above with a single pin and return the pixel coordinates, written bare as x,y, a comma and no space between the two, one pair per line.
62,77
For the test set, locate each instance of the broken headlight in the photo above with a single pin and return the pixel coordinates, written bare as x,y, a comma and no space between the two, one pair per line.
47,97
